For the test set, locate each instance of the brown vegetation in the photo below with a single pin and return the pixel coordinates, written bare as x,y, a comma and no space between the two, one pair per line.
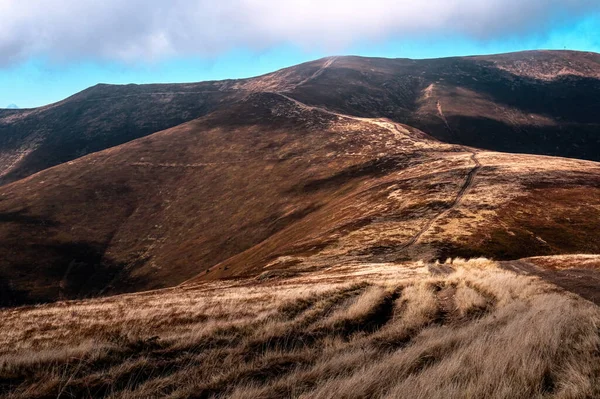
576,273
311,235
395,330
531,102
273,183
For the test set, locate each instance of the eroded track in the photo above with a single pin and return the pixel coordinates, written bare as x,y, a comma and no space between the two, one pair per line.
455,203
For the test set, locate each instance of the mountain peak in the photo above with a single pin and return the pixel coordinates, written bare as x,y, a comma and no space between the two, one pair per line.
12,106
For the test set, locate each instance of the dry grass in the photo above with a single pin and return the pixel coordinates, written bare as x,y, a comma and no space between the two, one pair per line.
465,329
560,262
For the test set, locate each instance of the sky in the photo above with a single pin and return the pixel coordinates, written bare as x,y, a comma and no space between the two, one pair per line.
50,49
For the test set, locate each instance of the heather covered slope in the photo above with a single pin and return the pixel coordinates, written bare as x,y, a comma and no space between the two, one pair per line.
532,102
95,119
274,184
539,102
504,207
159,210
300,234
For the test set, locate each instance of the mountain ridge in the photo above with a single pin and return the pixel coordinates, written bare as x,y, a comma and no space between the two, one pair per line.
342,160
407,91
274,184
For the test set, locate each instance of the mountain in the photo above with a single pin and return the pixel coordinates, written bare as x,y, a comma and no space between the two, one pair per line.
12,106
318,232
541,102
270,183
308,167
98,118
532,102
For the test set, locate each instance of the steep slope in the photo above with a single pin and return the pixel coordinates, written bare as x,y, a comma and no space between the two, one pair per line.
540,102
105,116
158,210
465,204
532,102
271,183
100,117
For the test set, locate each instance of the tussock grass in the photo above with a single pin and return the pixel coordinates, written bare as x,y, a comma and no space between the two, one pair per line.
463,329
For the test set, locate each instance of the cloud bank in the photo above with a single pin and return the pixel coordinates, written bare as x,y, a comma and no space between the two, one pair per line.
146,30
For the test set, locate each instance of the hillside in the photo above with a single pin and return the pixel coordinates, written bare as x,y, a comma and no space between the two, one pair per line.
532,102
271,183
365,330
95,119
539,102
348,227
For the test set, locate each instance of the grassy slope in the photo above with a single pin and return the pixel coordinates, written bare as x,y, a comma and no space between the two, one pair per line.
273,183
531,102
159,210
514,206
371,330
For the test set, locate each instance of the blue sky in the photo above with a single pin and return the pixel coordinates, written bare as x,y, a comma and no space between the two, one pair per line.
41,66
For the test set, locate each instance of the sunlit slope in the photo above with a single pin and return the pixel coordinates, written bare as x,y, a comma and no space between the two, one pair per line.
366,330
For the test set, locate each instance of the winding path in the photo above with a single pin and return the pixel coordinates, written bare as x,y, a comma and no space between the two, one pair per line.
394,128
325,65
455,203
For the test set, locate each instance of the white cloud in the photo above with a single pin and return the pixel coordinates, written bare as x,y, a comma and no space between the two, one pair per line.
132,30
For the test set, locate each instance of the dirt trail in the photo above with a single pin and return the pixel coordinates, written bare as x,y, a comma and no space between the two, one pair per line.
455,203
386,124
394,129
311,107
441,113
318,73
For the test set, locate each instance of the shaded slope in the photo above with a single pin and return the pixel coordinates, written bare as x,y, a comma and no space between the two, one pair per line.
105,116
540,102
100,117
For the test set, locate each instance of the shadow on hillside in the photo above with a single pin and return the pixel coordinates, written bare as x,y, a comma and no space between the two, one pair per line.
374,168
22,217
63,271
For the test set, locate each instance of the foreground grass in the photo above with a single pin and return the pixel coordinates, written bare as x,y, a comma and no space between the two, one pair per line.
468,329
